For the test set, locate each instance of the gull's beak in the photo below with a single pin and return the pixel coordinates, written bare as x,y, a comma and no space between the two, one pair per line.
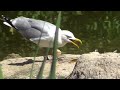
73,41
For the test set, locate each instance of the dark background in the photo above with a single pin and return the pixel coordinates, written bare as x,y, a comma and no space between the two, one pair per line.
97,30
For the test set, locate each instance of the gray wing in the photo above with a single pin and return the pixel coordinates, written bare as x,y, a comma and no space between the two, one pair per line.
38,24
32,33
31,28
42,26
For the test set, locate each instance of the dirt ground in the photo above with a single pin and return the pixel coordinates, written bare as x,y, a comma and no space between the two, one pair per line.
16,67
91,65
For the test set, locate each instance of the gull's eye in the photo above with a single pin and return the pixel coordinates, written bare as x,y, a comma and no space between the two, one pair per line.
68,36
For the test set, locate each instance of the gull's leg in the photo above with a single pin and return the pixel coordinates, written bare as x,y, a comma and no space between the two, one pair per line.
51,52
46,57
40,73
45,53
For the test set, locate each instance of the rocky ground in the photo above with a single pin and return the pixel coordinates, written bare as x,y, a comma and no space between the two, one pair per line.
16,67
97,66
91,65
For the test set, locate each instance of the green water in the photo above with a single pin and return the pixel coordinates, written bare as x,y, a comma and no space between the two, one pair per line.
97,30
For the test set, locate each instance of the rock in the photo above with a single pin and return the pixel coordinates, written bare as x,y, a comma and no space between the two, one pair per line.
97,66
12,55
92,65
19,68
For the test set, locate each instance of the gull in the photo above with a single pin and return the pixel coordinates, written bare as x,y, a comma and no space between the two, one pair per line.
40,31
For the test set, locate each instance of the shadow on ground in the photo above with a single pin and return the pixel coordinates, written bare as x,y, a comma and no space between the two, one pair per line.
24,63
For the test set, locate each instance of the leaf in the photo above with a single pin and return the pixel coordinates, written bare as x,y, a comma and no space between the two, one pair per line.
53,66
1,73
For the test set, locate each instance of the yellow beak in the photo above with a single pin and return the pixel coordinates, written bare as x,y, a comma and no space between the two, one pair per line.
78,40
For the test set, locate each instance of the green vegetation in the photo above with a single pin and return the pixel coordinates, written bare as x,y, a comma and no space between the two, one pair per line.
97,30
1,73
53,66
40,73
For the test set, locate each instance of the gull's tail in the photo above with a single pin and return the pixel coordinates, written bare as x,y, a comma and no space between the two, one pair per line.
7,21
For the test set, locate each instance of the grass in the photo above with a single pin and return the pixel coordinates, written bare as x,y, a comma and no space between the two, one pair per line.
53,66
37,49
40,73
1,73
52,74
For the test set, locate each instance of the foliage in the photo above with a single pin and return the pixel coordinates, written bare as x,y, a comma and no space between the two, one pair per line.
53,66
97,30
1,73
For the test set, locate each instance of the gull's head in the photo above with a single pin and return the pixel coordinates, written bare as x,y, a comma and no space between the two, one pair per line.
68,37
